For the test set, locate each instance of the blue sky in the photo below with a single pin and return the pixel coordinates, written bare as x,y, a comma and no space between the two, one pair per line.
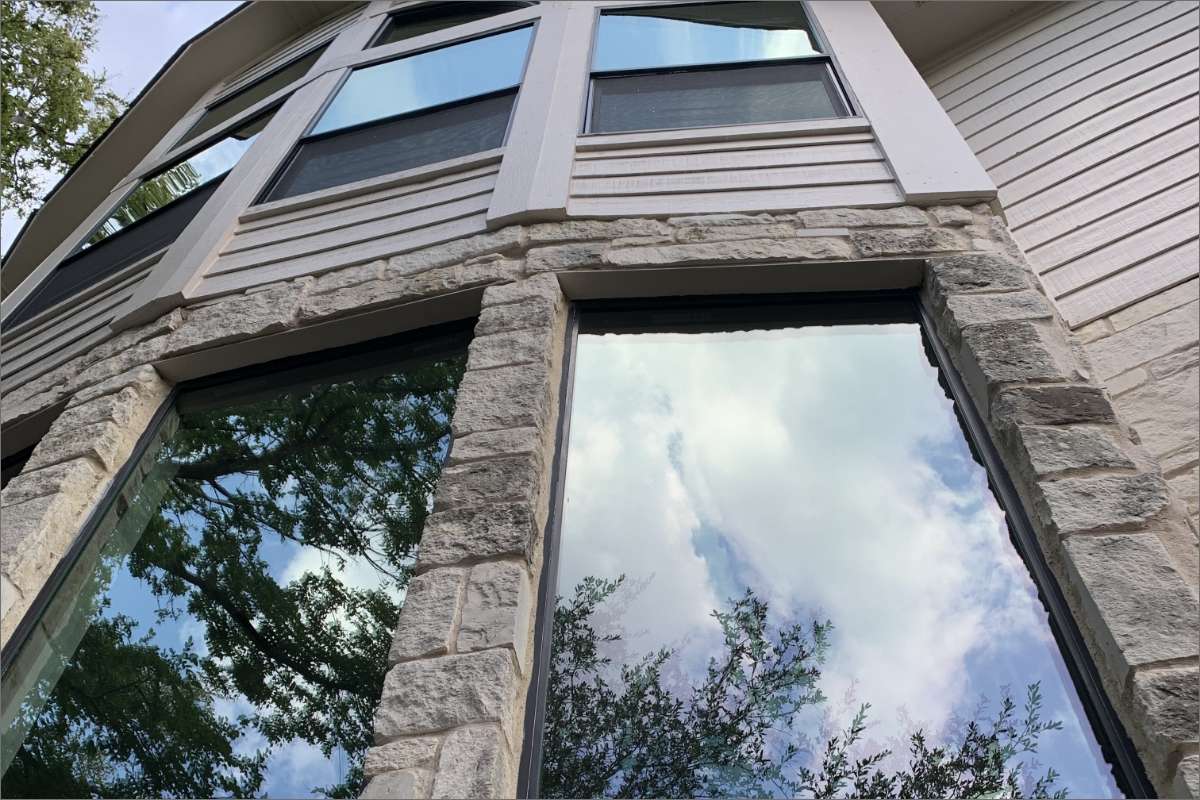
136,38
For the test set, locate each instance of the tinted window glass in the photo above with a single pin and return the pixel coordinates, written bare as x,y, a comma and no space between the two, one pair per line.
714,97
779,557
439,16
400,144
231,106
701,34
225,633
174,182
428,79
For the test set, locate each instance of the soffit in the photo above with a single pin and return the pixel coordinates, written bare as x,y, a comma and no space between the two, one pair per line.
927,30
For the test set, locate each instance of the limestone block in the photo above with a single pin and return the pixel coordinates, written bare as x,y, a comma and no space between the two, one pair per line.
902,216
402,785
494,480
349,276
106,442
582,229
816,248
1111,502
995,353
434,694
475,762
143,379
532,312
237,318
35,533
505,240
1051,405
522,346
565,256
951,216
975,272
1133,600
1175,362
964,310
1167,702
1163,411
401,754
906,241
720,233
1049,450
1187,778
722,220
9,594
78,476
427,620
496,611
542,287
505,397
1146,341
500,530
490,444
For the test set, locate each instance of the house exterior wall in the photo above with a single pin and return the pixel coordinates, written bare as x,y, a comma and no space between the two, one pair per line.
1086,117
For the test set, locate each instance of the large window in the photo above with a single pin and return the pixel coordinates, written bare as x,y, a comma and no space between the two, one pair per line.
225,630
409,112
688,66
430,17
149,219
781,572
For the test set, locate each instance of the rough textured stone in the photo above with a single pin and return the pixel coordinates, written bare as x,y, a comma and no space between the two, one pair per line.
402,785
975,272
903,216
532,312
816,248
964,310
36,533
495,531
720,233
565,256
1113,502
1187,778
144,380
1014,352
401,754
522,346
1054,449
1133,599
537,287
495,480
428,619
1146,341
1168,702
490,444
104,442
575,230
906,241
1175,362
350,276
504,240
475,762
9,594
505,397
720,220
238,317
435,694
1052,405
1164,411
953,216
496,611
74,477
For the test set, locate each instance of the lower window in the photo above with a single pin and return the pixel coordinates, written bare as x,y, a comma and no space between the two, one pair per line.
780,571
224,630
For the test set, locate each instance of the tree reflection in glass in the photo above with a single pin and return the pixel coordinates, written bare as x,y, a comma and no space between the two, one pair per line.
226,633
783,574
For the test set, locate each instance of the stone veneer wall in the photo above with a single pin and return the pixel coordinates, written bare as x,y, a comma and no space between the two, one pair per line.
449,723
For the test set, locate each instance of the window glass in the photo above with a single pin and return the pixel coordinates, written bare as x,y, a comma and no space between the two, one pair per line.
714,97
428,79
701,34
225,632
439,16
779,557
264,88
177,181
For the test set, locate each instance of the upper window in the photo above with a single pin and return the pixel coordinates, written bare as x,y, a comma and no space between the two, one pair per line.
411,111
225,630
782,573
690,66
430,17
260,90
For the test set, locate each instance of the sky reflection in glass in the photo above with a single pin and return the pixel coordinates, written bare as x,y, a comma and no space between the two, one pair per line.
822,468
641,41
428,79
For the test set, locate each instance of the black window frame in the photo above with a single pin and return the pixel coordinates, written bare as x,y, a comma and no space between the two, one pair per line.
265,196
825,57
429,11
757,311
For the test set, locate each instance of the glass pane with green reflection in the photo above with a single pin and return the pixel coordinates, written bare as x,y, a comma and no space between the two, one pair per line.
225,633
783,574
181,179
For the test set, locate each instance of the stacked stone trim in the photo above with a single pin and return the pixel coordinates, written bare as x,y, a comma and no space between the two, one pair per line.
450,718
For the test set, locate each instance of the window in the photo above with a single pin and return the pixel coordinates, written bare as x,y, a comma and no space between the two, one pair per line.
259,90
432,17
225,629
776,551
689,66
411,111
149,219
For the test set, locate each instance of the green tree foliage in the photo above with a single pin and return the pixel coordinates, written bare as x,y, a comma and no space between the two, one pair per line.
620,732
150,195
51,107
345,470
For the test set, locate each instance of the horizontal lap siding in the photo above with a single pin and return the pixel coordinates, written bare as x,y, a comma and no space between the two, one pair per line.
1086,119
776,174
67,329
